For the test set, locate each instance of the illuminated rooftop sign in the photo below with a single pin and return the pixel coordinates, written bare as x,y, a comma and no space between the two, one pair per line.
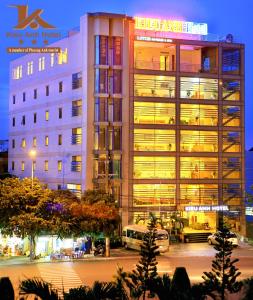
170,26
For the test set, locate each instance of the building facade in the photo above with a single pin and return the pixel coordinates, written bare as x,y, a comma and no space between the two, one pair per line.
145,109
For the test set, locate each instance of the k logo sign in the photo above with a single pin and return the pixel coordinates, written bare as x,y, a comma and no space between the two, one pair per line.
34,20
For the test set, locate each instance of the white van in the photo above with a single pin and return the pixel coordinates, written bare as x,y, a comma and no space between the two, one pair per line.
132,237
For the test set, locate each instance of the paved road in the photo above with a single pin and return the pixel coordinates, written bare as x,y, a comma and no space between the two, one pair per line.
195,257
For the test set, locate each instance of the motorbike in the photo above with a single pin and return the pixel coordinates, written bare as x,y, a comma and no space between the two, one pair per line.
99,250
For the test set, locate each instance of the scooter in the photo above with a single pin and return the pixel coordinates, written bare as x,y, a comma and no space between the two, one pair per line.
99,250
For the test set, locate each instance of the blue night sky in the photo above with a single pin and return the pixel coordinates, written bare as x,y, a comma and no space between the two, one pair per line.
222,16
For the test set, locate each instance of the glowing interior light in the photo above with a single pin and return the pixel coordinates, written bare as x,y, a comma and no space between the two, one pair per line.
170,26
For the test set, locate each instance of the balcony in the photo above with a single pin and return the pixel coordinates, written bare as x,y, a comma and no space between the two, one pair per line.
76,139
76,111
76,166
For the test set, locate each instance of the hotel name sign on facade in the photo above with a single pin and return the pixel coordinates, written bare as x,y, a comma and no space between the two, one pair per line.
170,26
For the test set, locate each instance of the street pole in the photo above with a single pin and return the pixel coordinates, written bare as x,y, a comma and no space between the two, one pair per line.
32,173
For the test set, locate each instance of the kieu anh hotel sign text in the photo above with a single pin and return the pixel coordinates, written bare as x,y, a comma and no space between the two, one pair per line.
170,26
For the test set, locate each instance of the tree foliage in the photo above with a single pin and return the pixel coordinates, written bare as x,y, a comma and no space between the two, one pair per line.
224,274
140,280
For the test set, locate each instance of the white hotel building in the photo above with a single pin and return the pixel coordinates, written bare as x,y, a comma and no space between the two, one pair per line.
147,110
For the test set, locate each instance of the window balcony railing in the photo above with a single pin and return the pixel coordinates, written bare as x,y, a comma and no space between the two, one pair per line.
76,139
76,166
197,68
153,65
76,111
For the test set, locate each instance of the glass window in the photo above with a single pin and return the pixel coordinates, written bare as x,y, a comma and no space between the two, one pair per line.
198,141
59,165
100,167
231,60
114,110
101,50
101,81
23,120
13,122
76,108
13,165
24,96
115,138
60,86
34,141
13,144
154,86
22,166
23,143
197,114
152,167
13,99
231,141
199,194
60,112
29,67
154,113
52,59
231,90
46,115
46,165
154,140
75,188
198,167
35,94
198,88
231,116
76,136
154,56
101,110
47,90
232,194
76,80
115,168
76,163
41,63
46,140
154,194
100,138
117,81
35,118
59,139
117,50
62,57
198,59
231,167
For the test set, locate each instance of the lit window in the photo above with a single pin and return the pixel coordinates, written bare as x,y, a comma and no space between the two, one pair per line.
59,139
63,57
46,165
46,140
59,165
34,141
23,143
41,63
17,72
52,60
47,115
30,68
22,166
74,188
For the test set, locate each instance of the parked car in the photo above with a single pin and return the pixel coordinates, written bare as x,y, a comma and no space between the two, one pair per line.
232,238
115,242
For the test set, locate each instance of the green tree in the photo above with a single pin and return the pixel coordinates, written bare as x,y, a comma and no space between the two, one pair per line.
28,210
96,212
223,277
140,281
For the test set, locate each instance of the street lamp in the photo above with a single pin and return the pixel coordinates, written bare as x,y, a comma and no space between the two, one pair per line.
32,154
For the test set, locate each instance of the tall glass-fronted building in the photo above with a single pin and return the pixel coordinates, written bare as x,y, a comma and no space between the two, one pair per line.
149,110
